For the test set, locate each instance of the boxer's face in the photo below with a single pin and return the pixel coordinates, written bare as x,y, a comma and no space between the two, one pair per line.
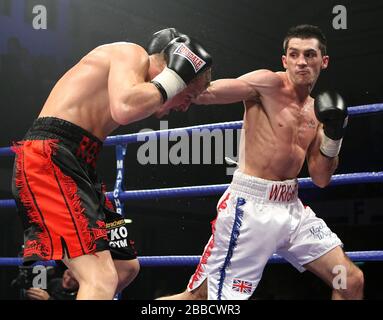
304,61
182,101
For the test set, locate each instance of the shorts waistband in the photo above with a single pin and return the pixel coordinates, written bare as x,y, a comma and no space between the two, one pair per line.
79,141
265,190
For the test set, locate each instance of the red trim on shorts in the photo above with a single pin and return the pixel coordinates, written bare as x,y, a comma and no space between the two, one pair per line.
42,246
68,191
205,256
223,204
52,202
207,253
108,204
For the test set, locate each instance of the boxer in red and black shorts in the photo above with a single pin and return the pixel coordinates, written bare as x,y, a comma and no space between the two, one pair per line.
59,194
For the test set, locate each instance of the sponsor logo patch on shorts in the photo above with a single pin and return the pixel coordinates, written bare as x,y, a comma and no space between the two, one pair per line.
118,234
114,224
99,232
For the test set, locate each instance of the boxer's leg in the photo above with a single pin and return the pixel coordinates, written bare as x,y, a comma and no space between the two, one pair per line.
96,275
336,264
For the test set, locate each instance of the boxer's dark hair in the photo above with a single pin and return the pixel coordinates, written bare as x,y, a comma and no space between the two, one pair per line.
306,31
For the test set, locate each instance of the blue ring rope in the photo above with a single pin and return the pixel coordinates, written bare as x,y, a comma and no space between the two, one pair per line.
143,136
209,190
178,261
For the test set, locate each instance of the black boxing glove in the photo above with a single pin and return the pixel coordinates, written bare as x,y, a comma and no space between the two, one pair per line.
330,109
186,59
161,39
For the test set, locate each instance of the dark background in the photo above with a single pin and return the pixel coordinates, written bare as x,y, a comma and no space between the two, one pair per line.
242,35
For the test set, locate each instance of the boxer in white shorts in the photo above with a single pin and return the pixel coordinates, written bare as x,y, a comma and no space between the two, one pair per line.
260,213
257,218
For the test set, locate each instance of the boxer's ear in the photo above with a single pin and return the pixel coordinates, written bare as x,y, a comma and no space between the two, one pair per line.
325,61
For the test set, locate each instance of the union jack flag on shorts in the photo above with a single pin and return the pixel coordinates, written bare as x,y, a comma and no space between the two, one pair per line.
242,286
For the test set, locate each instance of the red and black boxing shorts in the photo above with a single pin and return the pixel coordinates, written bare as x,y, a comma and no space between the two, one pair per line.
60,197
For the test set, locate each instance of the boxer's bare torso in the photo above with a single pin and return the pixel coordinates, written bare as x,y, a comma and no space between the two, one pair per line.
279,122
278,129
111,86
280,126
81,96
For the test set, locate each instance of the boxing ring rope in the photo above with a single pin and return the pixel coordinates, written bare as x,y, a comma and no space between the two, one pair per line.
208,190
139,137
189,261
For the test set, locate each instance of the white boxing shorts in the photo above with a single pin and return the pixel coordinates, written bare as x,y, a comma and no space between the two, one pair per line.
257,218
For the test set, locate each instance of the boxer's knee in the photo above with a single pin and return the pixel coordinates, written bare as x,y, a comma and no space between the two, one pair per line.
354,285
200,293
103,285
127,271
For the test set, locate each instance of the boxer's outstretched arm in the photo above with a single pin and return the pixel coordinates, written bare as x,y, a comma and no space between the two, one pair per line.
247,87
130,97
321,168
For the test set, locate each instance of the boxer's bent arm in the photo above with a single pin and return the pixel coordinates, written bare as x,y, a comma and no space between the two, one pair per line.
247,87
130,97
320,167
